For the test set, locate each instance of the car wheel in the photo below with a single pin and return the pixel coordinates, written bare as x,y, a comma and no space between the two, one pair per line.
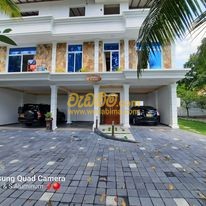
133,121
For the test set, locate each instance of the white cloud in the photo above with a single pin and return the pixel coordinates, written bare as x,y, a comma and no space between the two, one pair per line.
187,46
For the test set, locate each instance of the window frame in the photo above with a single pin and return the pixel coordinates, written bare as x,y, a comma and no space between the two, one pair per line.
111,42
105,5
76,7
8,55
30,11
74,52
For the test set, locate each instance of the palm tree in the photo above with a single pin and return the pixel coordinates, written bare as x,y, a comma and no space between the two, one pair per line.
167,20
9,8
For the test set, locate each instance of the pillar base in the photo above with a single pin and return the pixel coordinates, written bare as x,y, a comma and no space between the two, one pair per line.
126,125
174,126
53,129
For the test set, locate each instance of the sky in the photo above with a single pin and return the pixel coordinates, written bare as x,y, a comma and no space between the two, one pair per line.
187,46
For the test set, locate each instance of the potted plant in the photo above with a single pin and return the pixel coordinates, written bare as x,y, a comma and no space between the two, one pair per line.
48,119
83,69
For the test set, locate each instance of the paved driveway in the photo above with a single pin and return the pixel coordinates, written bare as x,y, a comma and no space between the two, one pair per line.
167,167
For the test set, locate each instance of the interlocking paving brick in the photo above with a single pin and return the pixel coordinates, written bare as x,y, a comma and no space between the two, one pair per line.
46,196
177,165
112,173
132,165
181,202
14,161
90,164
157,202
50,163
111,200
134,201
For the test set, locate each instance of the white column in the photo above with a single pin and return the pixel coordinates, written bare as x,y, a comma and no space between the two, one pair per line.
126,106
173,106
68,112
156,100
54,48
126,54
54,90
96,106
96,56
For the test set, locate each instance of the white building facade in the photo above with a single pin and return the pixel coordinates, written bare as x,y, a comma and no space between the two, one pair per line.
83,47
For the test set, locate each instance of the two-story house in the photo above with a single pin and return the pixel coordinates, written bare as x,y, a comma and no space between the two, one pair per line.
83,46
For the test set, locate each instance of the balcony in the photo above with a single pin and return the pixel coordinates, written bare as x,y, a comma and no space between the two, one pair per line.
123,25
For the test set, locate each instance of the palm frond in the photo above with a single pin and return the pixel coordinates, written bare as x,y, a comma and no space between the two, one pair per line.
199,21
166,21
10,8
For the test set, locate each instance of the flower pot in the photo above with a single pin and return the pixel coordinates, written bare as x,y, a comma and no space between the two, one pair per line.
49,124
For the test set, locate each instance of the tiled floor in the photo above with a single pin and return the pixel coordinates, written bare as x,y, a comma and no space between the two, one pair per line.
167,167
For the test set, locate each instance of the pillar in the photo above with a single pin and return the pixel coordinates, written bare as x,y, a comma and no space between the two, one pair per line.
96,56
126,105
126,44
68,112
53,109
54,48
96,106
173,106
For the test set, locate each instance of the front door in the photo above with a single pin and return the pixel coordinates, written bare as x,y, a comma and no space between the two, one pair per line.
111,109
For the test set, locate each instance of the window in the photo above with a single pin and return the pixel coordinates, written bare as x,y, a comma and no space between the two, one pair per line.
22,59
110,9
155,57
111,54
79,11
74,58
30,13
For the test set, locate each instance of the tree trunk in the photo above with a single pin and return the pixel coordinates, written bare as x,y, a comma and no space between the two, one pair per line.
188,114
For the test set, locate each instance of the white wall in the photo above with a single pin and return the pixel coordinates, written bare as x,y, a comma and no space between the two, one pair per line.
152,100
167,105
29,99
61,8
94,10
82,116
192,111
138,97
164,101
9,102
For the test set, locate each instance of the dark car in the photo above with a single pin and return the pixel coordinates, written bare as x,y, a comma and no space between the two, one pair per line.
31,114
144,114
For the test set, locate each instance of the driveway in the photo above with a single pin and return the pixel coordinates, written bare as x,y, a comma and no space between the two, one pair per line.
167,167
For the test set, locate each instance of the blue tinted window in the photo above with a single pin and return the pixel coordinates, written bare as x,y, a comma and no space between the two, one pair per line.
111,46
115,60
75,48
155,60
155,57
20,51
74,58
14,64
71,62
78,62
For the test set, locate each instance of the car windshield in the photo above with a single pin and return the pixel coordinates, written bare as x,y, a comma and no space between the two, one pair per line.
30,107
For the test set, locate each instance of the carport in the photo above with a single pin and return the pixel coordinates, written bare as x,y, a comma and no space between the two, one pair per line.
162,98
17,89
